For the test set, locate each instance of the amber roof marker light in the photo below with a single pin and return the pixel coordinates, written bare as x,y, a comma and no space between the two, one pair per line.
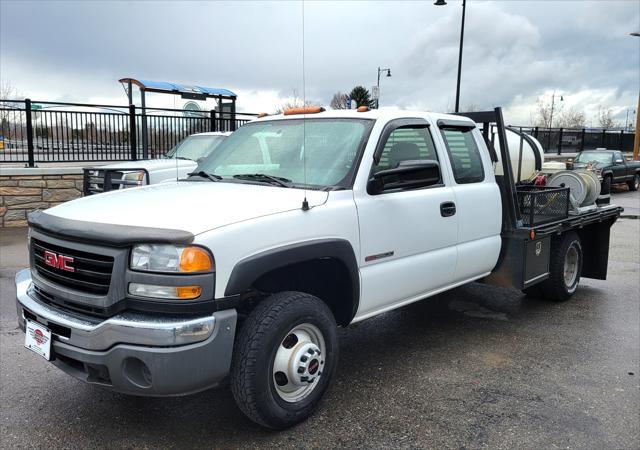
303,110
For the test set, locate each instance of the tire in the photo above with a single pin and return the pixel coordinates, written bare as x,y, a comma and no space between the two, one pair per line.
559,287
634,184
291,330
606,185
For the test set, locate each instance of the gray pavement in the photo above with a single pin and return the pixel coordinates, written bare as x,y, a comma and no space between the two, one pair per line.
476,367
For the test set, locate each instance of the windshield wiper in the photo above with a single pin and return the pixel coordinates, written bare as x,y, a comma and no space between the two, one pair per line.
284,182
207,175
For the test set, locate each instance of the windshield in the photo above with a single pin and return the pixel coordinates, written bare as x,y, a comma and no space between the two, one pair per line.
600,157
195,147
313,152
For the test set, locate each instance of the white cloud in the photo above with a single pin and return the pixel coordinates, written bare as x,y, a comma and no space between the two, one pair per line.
514,52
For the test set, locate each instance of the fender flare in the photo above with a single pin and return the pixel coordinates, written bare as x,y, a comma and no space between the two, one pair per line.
250,269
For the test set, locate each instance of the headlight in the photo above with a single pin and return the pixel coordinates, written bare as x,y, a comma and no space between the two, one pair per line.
132,179
170,258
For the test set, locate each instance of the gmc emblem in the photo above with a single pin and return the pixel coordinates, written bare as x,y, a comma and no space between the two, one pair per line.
58,261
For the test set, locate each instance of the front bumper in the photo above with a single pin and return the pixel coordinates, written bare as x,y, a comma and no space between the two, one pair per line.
140,354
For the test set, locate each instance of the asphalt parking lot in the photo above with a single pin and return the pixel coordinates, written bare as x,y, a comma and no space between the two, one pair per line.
476,367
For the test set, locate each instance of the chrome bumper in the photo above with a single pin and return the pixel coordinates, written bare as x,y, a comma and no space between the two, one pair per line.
128,328
149,355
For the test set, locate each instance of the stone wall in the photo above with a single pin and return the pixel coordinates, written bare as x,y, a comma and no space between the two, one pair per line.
28,189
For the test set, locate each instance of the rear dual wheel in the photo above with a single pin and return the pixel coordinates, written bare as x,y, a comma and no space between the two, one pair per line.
565,267
284,357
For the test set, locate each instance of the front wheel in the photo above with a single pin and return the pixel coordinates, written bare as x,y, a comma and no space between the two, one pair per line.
606,185
565,266
634,184
284,357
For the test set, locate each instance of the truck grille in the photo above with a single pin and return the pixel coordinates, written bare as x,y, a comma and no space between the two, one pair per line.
97,181
71,268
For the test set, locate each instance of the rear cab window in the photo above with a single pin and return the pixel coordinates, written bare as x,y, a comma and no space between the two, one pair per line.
464,155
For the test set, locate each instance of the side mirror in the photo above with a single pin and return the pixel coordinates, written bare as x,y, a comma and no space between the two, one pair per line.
408,175
619,161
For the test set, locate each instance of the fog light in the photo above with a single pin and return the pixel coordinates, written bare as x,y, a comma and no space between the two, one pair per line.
170,292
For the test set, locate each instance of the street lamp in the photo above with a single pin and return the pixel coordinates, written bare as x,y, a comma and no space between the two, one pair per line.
378,85
464,8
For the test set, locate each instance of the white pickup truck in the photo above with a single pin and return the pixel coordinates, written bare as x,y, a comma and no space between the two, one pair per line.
243,271
177,163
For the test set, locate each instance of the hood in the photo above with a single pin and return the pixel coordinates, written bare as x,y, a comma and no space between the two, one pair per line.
149,164
194,206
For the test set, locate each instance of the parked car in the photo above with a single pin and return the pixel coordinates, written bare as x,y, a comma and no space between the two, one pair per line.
295,225
177,163
611,166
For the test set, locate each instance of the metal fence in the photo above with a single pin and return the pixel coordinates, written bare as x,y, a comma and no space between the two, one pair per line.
36,132
572,140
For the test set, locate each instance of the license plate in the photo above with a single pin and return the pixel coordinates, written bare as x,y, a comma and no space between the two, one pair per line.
38,339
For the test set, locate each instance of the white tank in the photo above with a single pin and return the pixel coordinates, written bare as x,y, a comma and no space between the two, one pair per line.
528,168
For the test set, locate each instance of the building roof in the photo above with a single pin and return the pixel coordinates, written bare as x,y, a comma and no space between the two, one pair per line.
176,88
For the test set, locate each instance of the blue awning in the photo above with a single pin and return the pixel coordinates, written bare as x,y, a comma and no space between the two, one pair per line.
165,86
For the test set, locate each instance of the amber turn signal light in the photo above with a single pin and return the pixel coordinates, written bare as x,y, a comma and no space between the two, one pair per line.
188,292
195,259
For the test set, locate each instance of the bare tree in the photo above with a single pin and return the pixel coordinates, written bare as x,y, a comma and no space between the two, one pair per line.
605,117
471,107
558,117
571,119
9,113
542,116
294,102
339,101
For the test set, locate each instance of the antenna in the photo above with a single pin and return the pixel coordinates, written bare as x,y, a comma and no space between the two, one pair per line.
305,203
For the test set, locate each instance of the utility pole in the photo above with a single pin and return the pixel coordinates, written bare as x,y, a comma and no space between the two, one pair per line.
636,141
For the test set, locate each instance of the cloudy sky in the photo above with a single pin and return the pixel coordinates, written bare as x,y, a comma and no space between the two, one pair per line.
515,51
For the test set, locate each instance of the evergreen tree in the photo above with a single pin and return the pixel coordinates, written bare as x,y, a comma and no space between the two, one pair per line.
362,97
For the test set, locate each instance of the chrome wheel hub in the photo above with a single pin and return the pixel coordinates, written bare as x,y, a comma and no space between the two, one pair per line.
571,266
299,362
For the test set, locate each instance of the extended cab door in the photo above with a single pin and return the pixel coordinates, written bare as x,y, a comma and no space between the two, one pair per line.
619,168
407,236
477,197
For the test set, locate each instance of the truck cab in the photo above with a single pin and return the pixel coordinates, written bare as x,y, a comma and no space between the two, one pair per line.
296,224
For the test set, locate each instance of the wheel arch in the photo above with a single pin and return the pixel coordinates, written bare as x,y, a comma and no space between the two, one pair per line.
326,268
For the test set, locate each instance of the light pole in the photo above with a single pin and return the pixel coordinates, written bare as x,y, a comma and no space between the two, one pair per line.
464,9
378,85
636,140
553,102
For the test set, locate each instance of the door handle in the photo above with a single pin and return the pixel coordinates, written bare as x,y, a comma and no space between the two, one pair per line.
447,209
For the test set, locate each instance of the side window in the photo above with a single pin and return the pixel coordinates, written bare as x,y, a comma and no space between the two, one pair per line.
464,155
406,144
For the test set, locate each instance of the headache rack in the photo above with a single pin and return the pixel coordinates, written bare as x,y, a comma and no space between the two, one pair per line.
523,205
